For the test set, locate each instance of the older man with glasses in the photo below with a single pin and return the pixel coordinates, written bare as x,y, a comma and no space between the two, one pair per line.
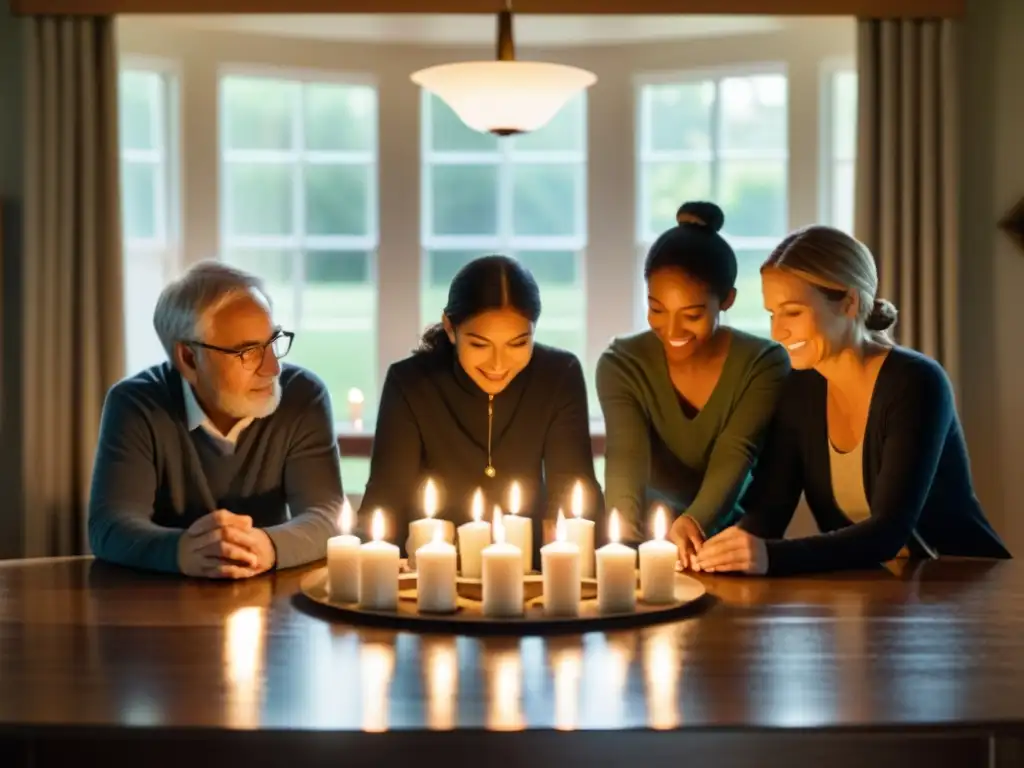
220,462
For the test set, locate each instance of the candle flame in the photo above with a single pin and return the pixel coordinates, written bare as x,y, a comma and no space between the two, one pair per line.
377,526
478,506
498,526
355,396
613,527
660,524
345,518
515,500
577,500
560,534
430,499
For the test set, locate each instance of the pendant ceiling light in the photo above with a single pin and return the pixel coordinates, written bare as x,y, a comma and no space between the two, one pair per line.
504,97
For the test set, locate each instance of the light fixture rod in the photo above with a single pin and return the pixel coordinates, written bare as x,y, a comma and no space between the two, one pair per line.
506,44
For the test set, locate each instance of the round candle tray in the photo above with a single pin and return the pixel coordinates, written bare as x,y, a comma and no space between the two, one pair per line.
469,618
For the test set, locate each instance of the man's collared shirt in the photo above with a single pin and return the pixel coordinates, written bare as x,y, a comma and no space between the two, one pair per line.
197,418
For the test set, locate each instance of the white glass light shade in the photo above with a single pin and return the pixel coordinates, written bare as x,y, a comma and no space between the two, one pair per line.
504,97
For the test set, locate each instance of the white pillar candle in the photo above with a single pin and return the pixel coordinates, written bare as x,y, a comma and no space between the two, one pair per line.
343,560
423,531
378,570
580,531
502,575
560,573
473,537
435,576
658,564
518,529
616,572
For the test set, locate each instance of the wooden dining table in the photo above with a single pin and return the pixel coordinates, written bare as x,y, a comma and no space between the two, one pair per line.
911,663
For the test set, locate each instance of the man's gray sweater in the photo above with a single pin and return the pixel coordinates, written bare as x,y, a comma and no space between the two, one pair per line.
153,478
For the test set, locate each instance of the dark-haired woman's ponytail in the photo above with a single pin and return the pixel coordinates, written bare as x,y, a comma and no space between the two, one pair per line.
434,338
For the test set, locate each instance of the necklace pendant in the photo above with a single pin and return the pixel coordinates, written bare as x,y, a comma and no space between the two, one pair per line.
490,471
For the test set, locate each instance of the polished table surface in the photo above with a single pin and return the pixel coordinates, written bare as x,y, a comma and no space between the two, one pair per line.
916,645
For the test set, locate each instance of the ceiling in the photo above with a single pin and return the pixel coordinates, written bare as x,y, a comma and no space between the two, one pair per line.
475,30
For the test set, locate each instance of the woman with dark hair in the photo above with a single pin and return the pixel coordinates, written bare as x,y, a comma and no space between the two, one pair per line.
480,405
686,403
865,429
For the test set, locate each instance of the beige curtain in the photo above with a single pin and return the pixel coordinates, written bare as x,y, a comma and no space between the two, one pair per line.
908,176
72,327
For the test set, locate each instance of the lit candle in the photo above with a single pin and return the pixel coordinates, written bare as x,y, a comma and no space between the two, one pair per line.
616,572
435,576
580,531
343,560
378,570
423,531
519,530
560,569
473,537
658,564
502,575
355,408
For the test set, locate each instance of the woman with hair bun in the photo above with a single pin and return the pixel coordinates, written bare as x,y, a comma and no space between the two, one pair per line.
686,403
479,404
867,430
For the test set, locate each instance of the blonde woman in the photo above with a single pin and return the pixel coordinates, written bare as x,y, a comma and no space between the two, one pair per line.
866,429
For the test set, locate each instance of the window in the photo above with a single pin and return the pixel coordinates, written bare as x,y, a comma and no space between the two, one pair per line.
299,209
148,204
720,138
523,196
840,145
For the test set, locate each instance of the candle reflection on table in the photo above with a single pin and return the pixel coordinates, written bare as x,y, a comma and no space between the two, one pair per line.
567,669
376,668
243,665
608,658
504,677
661,659
441,668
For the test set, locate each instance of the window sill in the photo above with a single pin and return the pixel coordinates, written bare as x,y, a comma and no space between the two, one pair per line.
359,445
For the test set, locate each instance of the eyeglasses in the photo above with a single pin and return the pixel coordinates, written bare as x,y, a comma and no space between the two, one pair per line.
252,357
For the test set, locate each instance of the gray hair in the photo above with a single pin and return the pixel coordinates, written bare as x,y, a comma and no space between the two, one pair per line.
186,304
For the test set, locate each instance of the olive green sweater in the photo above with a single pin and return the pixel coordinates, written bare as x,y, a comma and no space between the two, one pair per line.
697,466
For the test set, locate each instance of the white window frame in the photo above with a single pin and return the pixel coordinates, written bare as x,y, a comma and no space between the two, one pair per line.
505,158
829,158
713,156
295,158
166,246
166,159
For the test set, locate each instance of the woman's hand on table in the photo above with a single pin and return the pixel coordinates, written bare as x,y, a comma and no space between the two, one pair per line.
733,550
686,534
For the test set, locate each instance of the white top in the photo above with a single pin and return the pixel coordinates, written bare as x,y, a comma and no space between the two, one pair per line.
848,489
848,482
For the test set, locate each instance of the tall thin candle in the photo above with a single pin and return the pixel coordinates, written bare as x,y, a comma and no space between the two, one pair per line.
580,531
473,537
518,528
